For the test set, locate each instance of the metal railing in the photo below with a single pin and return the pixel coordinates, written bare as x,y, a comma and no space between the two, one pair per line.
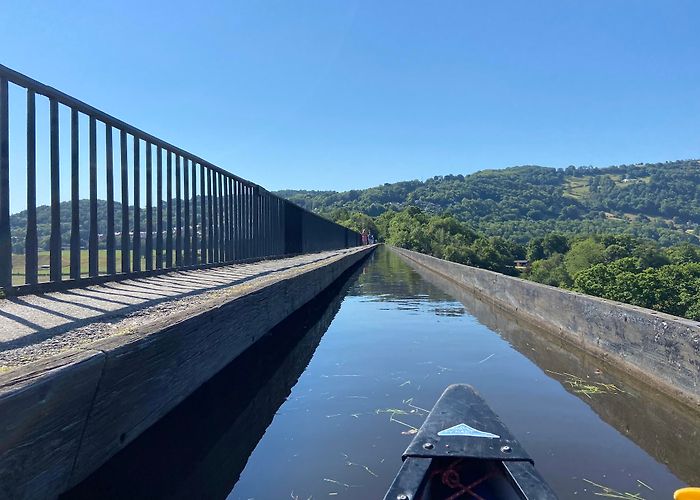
212,218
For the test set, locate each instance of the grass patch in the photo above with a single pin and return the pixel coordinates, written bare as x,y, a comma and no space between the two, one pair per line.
577,187
18,262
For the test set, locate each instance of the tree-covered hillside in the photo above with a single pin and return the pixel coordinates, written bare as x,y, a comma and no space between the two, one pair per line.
658,201
613,266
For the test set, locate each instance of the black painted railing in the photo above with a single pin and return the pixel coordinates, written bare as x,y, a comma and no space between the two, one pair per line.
194,214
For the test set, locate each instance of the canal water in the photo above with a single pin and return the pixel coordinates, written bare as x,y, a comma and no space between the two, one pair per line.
327,403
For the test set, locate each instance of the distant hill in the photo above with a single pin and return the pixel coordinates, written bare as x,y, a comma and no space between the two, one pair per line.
659,201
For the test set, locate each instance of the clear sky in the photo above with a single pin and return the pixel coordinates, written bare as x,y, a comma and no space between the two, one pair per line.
347,94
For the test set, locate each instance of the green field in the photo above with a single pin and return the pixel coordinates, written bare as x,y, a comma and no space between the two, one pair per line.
18,261
577,187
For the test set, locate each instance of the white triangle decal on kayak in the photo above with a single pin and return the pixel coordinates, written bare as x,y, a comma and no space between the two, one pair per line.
466,430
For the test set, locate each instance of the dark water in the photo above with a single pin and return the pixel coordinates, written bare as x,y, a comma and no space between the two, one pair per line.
326,405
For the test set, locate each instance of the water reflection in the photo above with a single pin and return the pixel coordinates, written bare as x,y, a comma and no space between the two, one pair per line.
200,448
312,414
667,430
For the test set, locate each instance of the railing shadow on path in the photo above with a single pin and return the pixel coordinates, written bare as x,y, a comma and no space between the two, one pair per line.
31,319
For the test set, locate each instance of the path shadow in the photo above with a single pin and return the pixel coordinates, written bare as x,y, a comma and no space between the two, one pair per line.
110,292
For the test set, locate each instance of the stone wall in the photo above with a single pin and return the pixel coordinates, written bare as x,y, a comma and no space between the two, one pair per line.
660,349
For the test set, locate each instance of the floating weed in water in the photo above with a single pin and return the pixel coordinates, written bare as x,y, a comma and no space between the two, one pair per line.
486,358
297,497
418,408
414,410
392,419
345,485
350,463
605,491
409,402
586,387
645,485
393,411
370,471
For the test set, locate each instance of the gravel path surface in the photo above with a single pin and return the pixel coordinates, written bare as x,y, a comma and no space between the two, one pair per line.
37,326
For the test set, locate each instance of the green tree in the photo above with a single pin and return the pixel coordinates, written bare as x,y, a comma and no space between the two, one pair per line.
582,255
684,253
550,271
555,243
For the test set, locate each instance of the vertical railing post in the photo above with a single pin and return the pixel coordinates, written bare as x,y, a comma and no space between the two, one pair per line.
237,218
222,224
125,203
5,233
271,200
109,174
248,222
203,206
268,225
280,228
230,219
159,210
210,225
169,210
55,243
137,206
215,197
74,197
256,220
93,251
31,250
186,196
224,180
266,228
149,206
251,221
178,214
263,232
193,259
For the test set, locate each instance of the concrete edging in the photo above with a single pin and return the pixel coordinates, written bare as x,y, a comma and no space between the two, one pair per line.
660,349
65,416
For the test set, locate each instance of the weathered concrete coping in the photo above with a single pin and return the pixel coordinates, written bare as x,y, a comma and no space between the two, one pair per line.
657,348
66,414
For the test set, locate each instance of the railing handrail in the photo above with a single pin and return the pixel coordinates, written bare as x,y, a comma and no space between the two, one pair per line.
67,100
29,83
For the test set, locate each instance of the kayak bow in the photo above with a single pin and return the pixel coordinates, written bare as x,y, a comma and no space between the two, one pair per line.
463,450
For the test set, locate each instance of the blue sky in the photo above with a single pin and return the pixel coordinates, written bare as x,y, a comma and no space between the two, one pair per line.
348,94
